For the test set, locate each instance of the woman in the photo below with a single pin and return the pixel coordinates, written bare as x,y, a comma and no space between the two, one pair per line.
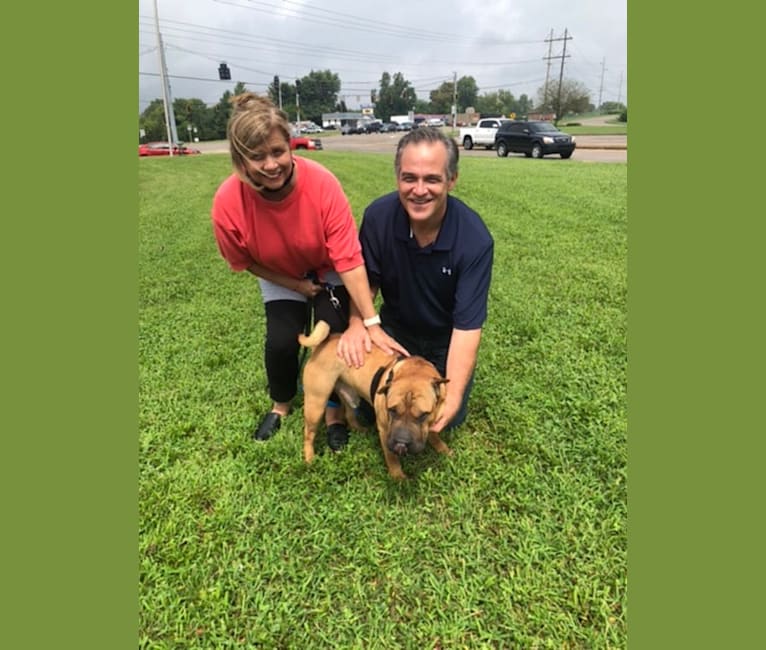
286,220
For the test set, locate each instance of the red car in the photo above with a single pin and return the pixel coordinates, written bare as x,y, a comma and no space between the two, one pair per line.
302,142
162,149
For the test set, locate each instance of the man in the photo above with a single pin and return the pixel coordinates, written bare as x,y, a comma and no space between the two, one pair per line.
431,256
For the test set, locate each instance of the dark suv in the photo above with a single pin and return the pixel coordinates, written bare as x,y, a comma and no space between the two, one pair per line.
533,139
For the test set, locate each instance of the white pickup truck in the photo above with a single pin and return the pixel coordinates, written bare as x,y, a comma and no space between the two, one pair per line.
483,134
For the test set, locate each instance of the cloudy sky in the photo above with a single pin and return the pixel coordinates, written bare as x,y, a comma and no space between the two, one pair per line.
502,44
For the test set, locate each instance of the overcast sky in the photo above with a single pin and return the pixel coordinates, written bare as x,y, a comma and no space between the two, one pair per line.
502,44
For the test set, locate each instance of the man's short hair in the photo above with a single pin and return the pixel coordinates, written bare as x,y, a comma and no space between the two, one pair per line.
431,135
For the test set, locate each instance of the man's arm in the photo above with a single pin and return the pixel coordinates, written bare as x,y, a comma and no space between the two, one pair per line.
461,360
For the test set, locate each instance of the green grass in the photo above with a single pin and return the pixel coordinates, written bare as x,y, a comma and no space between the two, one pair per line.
592,129
517,541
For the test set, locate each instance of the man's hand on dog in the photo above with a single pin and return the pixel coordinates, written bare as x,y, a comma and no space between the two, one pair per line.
358,340
449,410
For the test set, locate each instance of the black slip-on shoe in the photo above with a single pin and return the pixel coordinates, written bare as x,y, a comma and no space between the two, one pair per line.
268,426
337,436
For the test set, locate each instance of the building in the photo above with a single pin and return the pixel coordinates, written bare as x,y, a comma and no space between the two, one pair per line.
338,120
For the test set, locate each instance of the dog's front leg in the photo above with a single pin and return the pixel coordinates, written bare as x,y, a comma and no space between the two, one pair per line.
438,444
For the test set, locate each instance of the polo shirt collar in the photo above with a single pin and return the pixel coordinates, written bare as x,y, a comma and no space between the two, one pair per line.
445,240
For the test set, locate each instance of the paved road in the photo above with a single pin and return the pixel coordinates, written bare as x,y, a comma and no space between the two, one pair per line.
590,148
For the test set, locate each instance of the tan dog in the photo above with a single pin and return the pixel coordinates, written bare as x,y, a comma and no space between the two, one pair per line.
407,394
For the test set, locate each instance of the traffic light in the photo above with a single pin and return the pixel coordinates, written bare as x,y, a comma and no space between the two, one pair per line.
297,85
223,72
276,82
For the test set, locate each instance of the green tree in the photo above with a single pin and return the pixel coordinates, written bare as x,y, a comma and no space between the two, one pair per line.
568,97
524,106
467,92
396,96
192,114
500,102
423,106
612,107
152,121
219,114
441,98
445,96
319,94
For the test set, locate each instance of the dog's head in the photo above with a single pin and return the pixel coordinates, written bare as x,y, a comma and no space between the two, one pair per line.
410,401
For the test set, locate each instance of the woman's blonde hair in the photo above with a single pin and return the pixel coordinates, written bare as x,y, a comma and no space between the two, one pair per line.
252,121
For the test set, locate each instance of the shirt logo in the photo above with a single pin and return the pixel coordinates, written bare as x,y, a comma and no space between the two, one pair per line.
446,271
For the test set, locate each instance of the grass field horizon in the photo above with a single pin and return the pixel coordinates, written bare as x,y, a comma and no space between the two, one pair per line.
517,541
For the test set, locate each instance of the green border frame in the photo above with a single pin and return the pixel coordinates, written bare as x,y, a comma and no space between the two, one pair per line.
69,467
694,329
70,350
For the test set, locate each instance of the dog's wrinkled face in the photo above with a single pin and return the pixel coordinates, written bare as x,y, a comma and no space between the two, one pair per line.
410,402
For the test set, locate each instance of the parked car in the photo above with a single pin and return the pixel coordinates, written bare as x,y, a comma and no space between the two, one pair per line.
351,129
534,139
302,142
406,126
481,135
311,128
373,127
163,149
389,127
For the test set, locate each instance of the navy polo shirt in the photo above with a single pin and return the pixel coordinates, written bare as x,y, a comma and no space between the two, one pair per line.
428,291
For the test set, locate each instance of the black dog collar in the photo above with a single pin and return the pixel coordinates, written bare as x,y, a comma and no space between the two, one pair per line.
375,383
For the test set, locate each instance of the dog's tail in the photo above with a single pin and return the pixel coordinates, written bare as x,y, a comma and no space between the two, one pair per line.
319,334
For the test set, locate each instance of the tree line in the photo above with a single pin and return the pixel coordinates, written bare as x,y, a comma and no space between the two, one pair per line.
318,92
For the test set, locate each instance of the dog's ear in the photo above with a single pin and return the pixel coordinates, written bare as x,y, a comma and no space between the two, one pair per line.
439,387
384,389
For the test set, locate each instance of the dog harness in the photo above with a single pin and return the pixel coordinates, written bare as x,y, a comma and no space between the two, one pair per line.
375,383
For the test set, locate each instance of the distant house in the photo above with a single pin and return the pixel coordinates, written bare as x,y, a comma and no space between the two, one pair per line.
544,117
341,119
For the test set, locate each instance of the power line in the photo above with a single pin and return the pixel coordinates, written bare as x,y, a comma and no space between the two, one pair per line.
346,20
258,43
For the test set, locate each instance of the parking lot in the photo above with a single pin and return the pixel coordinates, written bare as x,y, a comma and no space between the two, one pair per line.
590,148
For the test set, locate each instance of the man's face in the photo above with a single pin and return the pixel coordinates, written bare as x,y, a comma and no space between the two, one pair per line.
423,184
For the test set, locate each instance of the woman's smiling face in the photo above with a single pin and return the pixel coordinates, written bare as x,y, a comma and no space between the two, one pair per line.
271,164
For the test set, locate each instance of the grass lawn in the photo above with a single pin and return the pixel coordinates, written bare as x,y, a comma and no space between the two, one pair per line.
517,541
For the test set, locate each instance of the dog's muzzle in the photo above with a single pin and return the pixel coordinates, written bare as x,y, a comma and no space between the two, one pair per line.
401,441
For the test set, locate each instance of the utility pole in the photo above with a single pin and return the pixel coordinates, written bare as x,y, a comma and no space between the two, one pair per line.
549,40
167,97
563,56
454,100
601,87
298,102
561,78
619,92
